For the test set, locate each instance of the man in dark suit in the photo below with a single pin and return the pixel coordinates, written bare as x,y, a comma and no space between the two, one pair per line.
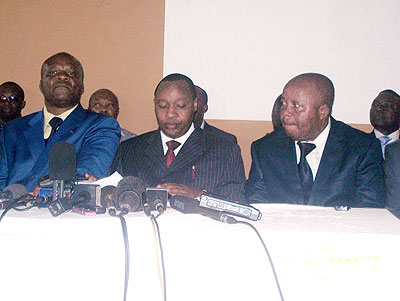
314,159
202,108
11,102
385,117
392,177
178,157
26,141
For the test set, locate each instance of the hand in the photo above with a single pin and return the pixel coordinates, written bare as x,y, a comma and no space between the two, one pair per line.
35,191
90,177
180,189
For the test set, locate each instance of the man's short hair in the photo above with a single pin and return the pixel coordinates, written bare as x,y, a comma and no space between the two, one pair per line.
204,92
178,77
323,85
14,86
392,93
79,65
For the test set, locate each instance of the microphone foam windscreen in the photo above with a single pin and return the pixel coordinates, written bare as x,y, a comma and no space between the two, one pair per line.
62,162
17,190
129,192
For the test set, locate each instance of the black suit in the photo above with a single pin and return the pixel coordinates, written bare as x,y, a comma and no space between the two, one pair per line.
220,133
350,171
392,176
205,161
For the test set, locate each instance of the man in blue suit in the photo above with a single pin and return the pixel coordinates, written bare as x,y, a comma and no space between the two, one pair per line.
26,141
314,159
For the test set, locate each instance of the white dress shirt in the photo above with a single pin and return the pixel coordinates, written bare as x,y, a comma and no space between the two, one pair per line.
181,140
314,157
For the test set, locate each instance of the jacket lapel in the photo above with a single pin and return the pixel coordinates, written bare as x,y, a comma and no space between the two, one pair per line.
154,150
33,134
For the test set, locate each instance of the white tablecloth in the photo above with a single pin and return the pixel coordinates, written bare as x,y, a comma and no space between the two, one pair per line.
319,254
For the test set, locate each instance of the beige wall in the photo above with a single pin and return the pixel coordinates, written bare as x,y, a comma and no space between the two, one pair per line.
120,45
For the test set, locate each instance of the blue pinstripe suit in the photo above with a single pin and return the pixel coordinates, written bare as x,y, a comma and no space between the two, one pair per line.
205,161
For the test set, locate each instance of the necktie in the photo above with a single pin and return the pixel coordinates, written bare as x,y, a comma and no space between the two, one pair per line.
384,141
55,123
306,177
170,156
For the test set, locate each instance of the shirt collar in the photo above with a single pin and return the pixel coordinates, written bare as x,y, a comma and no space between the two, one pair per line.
181,140
202,125
48,116
395,135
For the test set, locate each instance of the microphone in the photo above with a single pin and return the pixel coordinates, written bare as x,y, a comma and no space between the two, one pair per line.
188,206
10,193
62,167
64,204
129,194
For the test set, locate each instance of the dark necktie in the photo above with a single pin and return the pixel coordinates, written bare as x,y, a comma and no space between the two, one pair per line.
55,123
170,156
306,177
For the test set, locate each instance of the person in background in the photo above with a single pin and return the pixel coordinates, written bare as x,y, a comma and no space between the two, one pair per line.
105,102
314,159
11,102
177,156
202,108
276,113
384,116
26,141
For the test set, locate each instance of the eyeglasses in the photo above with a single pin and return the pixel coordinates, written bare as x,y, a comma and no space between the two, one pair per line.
11,98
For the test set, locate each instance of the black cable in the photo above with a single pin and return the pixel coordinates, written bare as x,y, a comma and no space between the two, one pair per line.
161,255
22,200
266,251
113,213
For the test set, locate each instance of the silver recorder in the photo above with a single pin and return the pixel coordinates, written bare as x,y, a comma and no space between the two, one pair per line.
245,211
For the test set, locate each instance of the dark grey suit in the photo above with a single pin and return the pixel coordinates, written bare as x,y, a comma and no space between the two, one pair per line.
205,161
221,133
350,171
392,175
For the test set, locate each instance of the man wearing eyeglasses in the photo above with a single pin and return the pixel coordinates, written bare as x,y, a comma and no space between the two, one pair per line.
11,102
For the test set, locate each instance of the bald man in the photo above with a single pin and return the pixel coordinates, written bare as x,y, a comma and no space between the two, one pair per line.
314,159
105,102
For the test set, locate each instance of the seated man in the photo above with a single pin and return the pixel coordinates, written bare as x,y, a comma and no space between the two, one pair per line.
202,108
314,159
385,117
26,141
392,177
11,102
105,102
177,156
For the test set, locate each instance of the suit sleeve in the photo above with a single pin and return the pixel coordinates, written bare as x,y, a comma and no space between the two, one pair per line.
392,176
99,148
256,191
232,187
370,187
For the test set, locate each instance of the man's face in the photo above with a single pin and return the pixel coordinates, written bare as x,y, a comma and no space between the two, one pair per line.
104,102
301,113
11,103
174,108
62,82
202,107
385,113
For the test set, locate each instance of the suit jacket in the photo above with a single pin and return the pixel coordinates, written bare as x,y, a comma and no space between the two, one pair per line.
392,175
220,133
205,161
350,172
24,156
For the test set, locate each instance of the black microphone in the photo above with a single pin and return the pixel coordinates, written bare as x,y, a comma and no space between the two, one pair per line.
129,194
64,204
188,205
107,196
10,193
62,167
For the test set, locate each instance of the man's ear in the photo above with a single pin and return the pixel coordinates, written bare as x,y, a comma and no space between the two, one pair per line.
324,111
205,108
40,86
195,104
23,104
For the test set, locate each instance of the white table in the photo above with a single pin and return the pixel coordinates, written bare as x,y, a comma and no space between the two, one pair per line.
319,254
